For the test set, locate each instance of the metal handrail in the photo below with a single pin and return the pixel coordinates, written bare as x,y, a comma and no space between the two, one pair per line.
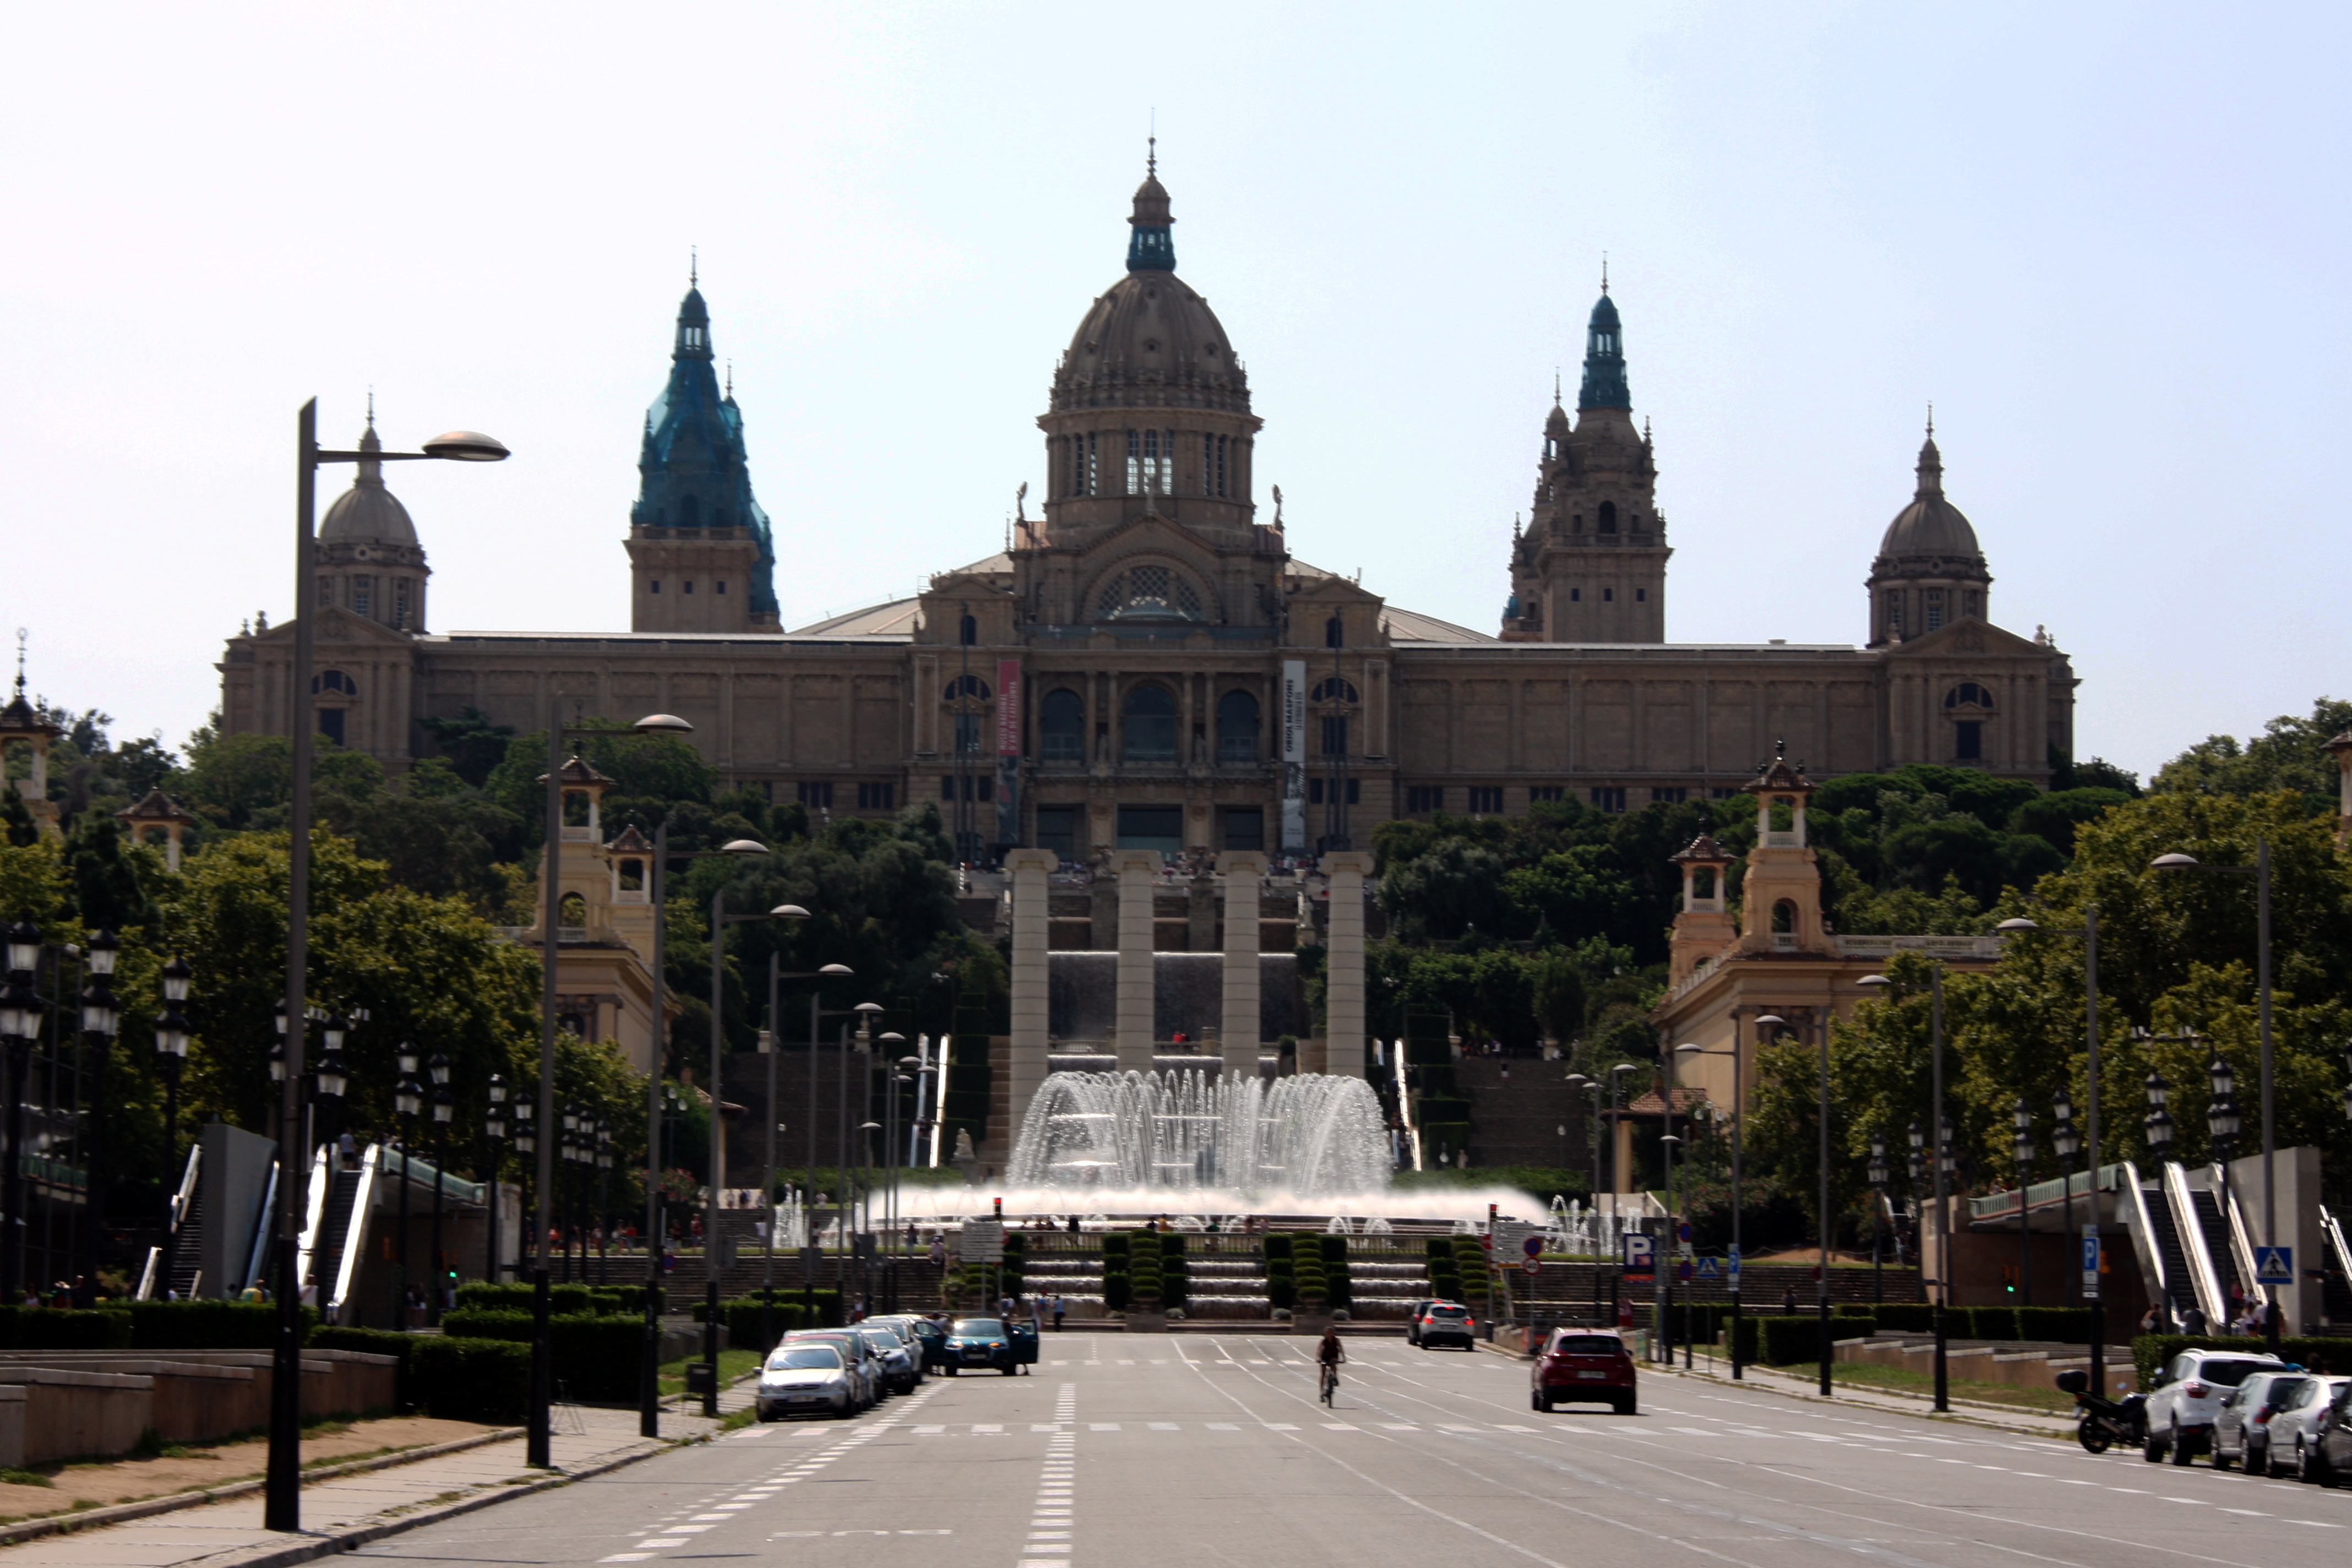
314,1209
2143,1235
355,1234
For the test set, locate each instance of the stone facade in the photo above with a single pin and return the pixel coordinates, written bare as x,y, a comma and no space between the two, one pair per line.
1150,667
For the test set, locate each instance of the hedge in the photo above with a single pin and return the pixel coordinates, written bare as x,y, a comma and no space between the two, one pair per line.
565,1298
1784,1341
1907,1317
460,1379
1280,1247
1116,1245
595,1357
818,1309
63,1328
2330,1356
207,1325
1118,1290
374,1342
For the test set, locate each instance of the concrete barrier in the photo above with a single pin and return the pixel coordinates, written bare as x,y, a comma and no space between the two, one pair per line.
97,1404
64,1414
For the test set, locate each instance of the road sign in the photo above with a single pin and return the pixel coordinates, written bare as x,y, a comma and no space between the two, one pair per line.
1731,1264
1683,1233
1637,1255
2090,1266
2275,1265
983,1241
1510,1238
1532,1265
1682,1269
1710,1268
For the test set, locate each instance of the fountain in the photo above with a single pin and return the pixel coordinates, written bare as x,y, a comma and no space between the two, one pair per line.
1165,1137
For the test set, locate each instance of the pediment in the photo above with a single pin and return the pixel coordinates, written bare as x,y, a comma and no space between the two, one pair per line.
1150,535
336,625
1972,638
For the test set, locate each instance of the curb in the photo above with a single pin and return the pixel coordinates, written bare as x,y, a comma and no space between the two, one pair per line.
117,1513
1973,1415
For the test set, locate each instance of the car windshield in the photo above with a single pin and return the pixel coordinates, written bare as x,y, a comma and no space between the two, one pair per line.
977,1328
2230,1373
805,1358
1588,1345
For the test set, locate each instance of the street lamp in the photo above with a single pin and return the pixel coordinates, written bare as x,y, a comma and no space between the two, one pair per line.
494,1129
100,1019
1943,1173
20,1025
282,1504
2022,1151
408,1102
444,1105
171,1060
1878,1218
2064,1141
2261,872
1739,1130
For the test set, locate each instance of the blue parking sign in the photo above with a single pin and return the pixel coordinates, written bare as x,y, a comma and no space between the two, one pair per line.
2090,1266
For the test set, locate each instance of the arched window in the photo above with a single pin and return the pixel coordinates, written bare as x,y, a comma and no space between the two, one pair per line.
966,686
1609,517
572,912
1237,736
336,682
1968,694
964,692
968,630
1334,690
1784,917
1150,725
1062,727
1149,593
632,876
1335,633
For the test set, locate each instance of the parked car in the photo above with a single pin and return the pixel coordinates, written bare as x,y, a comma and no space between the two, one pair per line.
1583,1367
2298,1433
979,1343
864,1366
1413,1311
2242,1427
2187,1396
1445,1323
901,1370
911,1331
806,1380
2328,1437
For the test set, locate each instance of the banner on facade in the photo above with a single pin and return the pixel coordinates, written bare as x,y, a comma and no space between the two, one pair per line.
1008,752
1294,756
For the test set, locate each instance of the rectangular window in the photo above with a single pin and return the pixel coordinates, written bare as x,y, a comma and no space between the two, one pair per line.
1094,465
656,585
1674,794
400,603
1135,462
1323,792
1424,797
1576,595
1608,595
1723,792
1608,797
876,796
362,595
983,788
1057,829
330,724
1335,735
1244,828
1160,827
1546,792
1935,608
968,730
1487,798
1213,465
1641,595
1968,741
817,794
688,588
720,587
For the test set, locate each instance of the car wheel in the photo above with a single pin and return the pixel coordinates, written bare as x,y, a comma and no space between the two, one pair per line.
949,1371
2177,1449
2151,1448
2258,1458
2302,1461
2220,1461
1626,1406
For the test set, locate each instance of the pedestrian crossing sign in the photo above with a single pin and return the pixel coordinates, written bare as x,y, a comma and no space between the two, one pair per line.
2275,1265
1710,1268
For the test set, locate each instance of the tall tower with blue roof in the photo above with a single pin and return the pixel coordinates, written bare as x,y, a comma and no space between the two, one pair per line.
702,555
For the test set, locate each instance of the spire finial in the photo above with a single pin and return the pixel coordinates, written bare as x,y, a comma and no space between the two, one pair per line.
1931,419
730,378
22,632
371,420
1604,272
1152,157
1554,387
694,267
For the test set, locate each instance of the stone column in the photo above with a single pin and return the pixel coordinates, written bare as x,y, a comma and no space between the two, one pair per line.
1136,869
1238,1035
1031,903
1343,988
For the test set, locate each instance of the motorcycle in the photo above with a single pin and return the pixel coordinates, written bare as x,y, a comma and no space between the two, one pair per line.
2101,1423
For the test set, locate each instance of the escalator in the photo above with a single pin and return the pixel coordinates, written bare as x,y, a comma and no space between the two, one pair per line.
188,1246
2221,1252
2337,1270
188,1264
335,1235
2164,1264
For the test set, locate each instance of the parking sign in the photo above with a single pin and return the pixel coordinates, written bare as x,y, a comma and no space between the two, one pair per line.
1637,1255
2090,1266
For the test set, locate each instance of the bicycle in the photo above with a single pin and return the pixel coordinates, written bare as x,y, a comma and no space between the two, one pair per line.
1330,1381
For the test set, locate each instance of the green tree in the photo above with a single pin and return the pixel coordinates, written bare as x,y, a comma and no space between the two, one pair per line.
106,888
2289,755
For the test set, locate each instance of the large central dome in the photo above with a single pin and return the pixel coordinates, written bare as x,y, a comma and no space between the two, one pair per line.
1150,341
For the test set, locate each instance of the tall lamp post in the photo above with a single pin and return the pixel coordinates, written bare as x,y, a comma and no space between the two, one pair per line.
494,1130
1943,1175
2159,1132
101,1018
1739,1130
20,1027
773,1044
282,1488
443,1107
2089,932
171,1060
2064,1141
2022,1148
1878,1218
2223,1123
2261,873
408,1104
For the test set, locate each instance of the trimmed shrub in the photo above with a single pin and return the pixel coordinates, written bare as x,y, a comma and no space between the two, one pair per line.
1171,1245
64,1328
594,1356
570,1300
1118,1290
373,1342
1334,1248
1778,1341
1982,1322
818,1309
461,1378
1907,1317
1281,1291
1278,1246
1115,1244
1438,1247
206,1325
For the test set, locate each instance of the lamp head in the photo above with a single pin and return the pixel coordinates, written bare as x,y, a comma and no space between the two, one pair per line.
498,1088
2018,924
176,975
894,1038
333,1078
99,1016
466,446
337,1027
662,724
836,969
437,1066
24,945
1875,982
409,1059
445,1106
2174,862
2224,1079
788,912
742,847
869,1008
102,948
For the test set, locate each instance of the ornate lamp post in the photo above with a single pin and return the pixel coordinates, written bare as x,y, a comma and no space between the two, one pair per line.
603,1203
99,1021
494,1130
1878,1218
408,1102
2064,1141
445,1106
2221,1124
20,1024
2021,1150
171,1059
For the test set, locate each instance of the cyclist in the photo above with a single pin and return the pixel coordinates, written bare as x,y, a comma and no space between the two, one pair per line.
1329,1355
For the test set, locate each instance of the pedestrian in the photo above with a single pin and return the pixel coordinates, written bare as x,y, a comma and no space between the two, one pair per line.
1625,1313
1789,1302
1059,1308
939,1253
2193,1322
2152,1321
347,1149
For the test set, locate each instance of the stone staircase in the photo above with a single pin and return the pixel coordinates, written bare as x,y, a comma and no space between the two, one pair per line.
1517,1105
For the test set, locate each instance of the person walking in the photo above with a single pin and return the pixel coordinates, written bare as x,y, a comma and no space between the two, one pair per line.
1057,1312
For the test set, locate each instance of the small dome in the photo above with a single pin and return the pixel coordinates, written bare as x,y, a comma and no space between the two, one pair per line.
1930,525
367,513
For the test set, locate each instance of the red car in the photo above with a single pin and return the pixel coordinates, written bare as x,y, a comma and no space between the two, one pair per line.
1583,1367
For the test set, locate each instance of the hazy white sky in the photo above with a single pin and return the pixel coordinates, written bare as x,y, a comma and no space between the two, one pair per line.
2107,241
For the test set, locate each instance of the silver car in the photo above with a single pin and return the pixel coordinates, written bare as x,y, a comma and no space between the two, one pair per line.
2187,1396
865,1366
2294,1437
2241,1428
901,1370
806,1380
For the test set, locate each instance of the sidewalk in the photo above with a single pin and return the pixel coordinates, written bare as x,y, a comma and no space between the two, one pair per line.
2008,1418
351,1510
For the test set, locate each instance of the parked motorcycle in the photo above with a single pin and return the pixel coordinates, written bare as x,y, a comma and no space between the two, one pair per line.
2100,1423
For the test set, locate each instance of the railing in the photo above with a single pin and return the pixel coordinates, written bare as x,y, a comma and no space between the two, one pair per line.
2143,1234
314,1210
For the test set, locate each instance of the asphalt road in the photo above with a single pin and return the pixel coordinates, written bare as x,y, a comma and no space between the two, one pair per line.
1198,1449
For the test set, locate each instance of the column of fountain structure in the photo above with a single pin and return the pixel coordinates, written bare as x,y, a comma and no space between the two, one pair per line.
1032,904
1238,1033
1137,870
1343,988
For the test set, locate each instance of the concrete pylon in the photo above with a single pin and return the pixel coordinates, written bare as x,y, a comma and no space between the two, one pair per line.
1031,896
1238,1031
1343,963
1137,869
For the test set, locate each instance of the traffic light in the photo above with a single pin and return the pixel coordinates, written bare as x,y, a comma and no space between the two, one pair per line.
2008,1278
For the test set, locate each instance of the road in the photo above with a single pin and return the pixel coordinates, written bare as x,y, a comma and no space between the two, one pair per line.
1195,1449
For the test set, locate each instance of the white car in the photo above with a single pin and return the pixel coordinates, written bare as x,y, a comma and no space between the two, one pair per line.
2187,1396
2293,1444
806,1380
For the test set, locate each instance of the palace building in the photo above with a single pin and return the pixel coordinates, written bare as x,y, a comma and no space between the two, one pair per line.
1148,666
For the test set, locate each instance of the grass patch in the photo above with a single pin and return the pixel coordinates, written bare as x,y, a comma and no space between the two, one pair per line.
1906,1380
25,1479
736,1421
732,1364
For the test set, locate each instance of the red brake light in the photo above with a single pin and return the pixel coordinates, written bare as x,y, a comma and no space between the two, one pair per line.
2196,1391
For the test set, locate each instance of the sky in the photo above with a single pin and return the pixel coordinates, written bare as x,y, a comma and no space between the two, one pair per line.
2106,241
